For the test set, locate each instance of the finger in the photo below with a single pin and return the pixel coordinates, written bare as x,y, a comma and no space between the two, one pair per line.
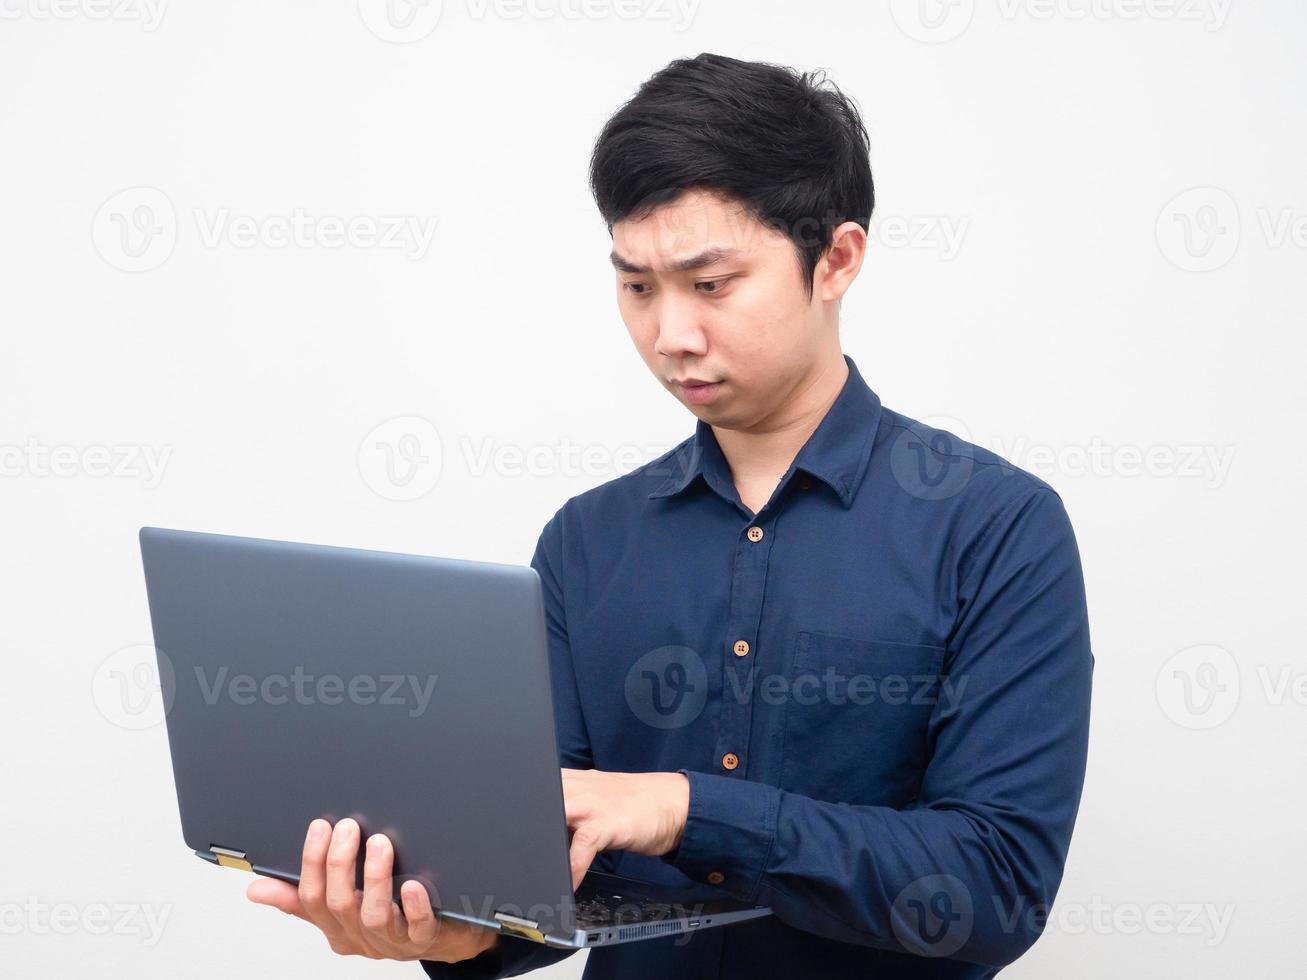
585,845
421,918
342,897
279,894
576,805
313,877
377,911
397,931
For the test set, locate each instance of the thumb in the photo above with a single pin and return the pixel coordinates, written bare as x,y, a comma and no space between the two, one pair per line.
279,894
585,845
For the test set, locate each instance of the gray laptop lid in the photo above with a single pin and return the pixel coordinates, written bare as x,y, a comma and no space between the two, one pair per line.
410,693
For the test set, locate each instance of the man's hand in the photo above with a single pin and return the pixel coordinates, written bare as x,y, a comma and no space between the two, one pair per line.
370,924
643,812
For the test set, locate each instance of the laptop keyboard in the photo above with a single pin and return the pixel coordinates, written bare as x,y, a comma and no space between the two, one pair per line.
595,909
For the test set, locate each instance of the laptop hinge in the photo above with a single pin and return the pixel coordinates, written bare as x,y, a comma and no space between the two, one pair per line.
229,858
518,926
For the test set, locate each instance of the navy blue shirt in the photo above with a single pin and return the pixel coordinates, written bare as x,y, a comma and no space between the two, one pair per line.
878,686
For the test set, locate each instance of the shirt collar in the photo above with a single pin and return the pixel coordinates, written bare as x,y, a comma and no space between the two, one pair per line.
836,453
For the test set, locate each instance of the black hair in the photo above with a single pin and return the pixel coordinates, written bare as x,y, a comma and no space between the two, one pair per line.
792,151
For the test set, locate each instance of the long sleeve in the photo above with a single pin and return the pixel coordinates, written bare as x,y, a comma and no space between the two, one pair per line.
514,956
958,873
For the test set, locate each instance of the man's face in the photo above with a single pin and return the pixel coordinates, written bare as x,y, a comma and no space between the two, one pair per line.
739,318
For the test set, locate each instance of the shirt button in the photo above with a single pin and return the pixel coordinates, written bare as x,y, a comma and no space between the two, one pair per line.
741,648
730,760
715,877
755,533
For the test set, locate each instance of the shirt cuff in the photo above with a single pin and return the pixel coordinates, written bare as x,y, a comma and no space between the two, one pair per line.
484,966
509,957
728,833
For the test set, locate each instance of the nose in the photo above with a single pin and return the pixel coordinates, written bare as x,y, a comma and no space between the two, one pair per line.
679,331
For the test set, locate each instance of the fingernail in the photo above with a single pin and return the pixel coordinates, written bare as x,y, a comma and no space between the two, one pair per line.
374,846
316,829
346,829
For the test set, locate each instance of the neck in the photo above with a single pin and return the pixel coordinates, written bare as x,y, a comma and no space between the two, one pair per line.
764,451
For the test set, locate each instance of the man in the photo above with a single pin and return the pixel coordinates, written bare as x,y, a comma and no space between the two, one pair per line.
819,655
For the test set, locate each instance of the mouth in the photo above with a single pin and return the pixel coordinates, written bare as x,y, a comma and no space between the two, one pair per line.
696,390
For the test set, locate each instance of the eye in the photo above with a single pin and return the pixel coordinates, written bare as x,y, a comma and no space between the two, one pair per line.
640,289
713,282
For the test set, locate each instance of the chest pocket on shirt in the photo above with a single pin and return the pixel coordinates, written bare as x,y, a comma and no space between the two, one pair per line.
856,717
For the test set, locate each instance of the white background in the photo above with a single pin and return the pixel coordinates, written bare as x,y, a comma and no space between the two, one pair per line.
1105,211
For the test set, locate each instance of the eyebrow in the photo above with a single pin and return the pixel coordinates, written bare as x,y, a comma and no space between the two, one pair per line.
707,257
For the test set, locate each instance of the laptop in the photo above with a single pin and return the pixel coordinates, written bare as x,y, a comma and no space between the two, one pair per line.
407,692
